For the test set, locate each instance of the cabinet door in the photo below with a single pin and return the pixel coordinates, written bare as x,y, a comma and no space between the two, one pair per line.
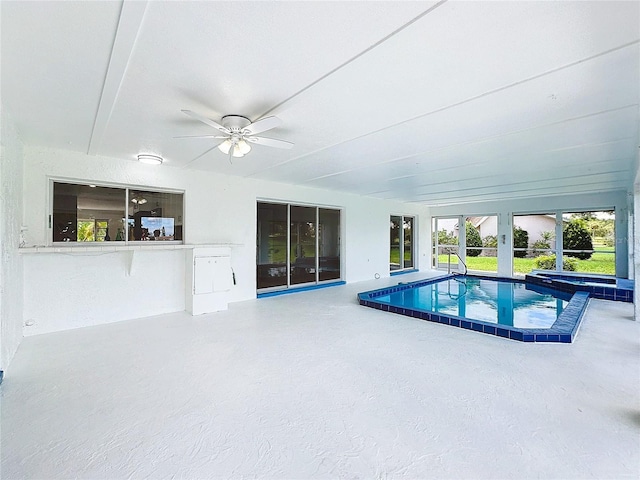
211,274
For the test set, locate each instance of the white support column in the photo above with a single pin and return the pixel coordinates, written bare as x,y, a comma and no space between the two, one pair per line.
559,240
505,244
621,225
636,249
462,242
630,236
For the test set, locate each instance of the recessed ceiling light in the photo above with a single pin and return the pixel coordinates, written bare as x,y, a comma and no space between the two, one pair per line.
150,159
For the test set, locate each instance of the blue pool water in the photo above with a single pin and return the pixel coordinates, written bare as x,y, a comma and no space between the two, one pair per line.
500,303
504,307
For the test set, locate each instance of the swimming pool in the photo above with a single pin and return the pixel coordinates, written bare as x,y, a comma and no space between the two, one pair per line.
507,308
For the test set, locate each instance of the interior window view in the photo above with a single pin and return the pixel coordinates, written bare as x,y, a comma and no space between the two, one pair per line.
587,242
401,242
296,245
534,242
92,213
445,243
481,243
481,235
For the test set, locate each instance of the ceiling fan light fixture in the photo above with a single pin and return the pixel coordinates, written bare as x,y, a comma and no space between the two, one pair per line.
244,147
225,146
138,199
236,152
239,133
150,159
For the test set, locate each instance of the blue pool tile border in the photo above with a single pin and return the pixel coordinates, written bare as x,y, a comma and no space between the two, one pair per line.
564,329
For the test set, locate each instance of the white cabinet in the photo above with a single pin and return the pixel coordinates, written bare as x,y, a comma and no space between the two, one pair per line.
209,279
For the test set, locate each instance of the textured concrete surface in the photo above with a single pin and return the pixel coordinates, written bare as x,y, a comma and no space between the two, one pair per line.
312,385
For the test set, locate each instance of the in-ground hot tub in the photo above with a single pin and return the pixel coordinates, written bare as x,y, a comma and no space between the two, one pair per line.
598,286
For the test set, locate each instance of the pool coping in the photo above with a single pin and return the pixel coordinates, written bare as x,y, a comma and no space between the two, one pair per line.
564,329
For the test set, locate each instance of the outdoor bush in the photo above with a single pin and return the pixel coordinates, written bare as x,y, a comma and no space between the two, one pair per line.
520,240
540,246
473,240
446,238
576,236
609,241
490,241
548,262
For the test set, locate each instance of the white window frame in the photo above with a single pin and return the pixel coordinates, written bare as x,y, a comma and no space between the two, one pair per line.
127,189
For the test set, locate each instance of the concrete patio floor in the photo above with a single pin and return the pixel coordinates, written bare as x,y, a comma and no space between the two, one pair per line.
312,385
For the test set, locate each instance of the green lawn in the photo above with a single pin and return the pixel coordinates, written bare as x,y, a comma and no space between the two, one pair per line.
600,263
394,257
484,264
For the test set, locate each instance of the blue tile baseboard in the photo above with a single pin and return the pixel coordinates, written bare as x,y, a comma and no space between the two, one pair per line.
299,289
563,330
402,272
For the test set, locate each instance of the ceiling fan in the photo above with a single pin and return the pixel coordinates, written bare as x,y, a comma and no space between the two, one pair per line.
238,133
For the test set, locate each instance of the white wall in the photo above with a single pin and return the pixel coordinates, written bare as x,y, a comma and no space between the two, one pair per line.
535,225
505,209
11,315
73,290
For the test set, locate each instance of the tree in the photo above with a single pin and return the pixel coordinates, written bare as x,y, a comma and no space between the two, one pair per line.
544,244
473,240
446,238
576,236
520,240
490,241
583,216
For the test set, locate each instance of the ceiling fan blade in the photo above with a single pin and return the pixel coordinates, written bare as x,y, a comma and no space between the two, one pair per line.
199,136
263,125
206,120
201,155
269,142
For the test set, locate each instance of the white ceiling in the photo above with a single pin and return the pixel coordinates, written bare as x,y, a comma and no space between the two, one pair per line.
429,102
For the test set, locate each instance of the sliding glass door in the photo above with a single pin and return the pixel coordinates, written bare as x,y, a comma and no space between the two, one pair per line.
302,237
401,243
272,256
445,242
296,245
329,244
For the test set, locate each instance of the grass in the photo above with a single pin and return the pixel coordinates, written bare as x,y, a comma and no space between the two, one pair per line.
599,263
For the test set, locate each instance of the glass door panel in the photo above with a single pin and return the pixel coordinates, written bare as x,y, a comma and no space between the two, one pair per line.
302,237
588,242
329,244
272,245
534,242
482,243
445,243
395,256
408,242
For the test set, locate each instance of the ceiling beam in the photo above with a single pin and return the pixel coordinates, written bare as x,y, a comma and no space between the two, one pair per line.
131,16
